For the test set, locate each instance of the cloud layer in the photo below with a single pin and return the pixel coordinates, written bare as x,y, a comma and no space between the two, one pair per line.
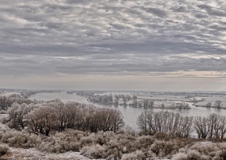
160,38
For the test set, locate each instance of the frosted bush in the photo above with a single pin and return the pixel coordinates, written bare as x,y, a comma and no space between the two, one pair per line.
109,134
193,154
45,146
79,136
204,148
164,148
93,151
113,143
75,146
129,130
100,139
161,136
145,141
180,156
137,155
3,150
222,154
205,157
18,139
217,157
86,141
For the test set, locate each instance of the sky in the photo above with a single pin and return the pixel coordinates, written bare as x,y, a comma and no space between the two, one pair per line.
153,45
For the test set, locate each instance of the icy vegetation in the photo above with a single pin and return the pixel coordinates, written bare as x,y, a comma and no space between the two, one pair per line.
109,145
162,100
57,130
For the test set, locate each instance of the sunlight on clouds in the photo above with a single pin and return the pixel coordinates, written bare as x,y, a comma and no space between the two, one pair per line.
70,58
205,56
160,39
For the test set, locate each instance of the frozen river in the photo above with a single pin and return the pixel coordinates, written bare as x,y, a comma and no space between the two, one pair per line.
130,114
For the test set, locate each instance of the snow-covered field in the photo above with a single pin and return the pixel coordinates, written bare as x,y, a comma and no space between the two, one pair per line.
170,99
8,93
34,154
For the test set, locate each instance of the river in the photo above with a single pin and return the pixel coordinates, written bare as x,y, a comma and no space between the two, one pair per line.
130,114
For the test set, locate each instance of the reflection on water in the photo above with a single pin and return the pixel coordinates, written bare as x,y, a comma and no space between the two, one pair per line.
130,114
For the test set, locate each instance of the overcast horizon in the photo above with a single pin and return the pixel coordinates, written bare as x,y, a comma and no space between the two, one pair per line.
113,45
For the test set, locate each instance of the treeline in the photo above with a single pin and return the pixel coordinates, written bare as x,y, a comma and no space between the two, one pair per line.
128,100
45,117
212,126
42,118
120,99
7,101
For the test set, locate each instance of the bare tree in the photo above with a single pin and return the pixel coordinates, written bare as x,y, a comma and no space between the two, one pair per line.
213,126
152,122
201,127
221,127
106,120
142,122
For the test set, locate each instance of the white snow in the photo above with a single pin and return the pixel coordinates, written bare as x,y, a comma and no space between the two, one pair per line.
32,153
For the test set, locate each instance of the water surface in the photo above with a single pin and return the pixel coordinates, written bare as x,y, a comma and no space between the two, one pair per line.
130,114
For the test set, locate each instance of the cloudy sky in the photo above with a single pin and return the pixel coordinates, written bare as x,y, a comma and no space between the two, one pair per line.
113,44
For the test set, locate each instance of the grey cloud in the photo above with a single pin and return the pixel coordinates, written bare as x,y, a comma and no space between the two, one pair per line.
126,64
157,12
213,11
102,36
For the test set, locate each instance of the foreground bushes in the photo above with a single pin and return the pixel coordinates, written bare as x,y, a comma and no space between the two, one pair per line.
3,150
107,145
121,145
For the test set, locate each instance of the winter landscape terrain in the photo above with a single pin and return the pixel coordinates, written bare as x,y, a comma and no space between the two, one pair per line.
38,125
113,79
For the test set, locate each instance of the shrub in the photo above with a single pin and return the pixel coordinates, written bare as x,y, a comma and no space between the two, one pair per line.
144,141
85,141
164,148
3,150
193,155
161,136
94,151
137,155
19,139
180,156
222,154
100,139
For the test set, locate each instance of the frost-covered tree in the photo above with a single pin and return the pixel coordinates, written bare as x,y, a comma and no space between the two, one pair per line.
142,122
152,122
105,119
212,126
16,114
201,126
42,120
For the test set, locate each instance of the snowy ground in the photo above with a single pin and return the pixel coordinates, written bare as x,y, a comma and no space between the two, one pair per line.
33,154
8,93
